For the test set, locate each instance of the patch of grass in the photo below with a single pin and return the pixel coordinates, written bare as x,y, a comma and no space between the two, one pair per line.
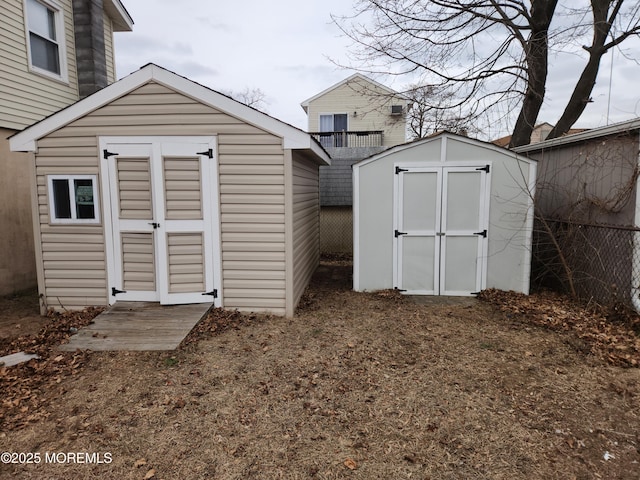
170,362
315,332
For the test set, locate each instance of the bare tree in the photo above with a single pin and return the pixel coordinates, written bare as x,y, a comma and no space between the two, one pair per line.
491,55
424,118
253,97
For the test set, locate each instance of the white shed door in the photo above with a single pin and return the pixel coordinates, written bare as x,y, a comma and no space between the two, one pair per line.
441,216
160,216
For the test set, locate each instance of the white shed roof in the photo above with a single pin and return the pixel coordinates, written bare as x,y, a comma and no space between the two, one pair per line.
293,137
438,136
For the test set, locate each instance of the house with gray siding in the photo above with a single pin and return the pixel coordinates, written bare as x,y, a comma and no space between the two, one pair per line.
588,212
159,189
52,53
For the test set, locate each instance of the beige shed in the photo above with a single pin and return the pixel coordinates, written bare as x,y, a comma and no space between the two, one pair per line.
159,189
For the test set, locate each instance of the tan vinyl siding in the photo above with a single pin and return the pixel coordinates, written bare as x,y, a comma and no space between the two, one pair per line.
371,104
138,262
306,211
108,49
251,198
186,262
182,188
134,181
25,96
73,265
252,218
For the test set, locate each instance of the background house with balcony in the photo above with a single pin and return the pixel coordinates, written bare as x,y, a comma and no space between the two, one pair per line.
353,119
52,53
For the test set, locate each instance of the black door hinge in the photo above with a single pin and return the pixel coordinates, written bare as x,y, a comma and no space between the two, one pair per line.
397,233
213,293
475,293
208,153
483,233
154,224
399,289
398,170
106,154
115,291
485,168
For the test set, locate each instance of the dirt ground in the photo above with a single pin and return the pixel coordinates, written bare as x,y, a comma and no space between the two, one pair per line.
20,314
358,386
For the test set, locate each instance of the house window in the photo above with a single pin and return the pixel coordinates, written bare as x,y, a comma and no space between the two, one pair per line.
335,125
45,37
73,199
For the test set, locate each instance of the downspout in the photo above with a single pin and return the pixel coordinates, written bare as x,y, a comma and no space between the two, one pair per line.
635,272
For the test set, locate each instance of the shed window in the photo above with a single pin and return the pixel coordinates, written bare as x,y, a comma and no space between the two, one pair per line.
73,199
45,32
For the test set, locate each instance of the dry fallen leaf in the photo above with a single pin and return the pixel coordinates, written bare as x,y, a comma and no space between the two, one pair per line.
350,464
150,474
140,462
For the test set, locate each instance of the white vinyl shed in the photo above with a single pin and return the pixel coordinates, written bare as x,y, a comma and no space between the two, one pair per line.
445,215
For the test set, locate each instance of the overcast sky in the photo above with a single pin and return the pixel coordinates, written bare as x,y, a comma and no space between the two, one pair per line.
289,50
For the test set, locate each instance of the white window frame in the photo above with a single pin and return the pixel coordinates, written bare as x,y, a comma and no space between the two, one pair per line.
72,199
61,40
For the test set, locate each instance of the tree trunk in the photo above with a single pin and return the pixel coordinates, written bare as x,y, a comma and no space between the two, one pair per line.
536,60
582,91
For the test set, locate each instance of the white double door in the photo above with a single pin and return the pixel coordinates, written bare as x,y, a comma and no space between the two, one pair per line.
160,197
441,229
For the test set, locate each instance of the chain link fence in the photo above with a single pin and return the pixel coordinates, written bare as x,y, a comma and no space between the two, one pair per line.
594,261
336,230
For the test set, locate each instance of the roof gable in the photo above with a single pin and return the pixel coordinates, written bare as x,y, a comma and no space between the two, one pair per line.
293,138
437,137
355,78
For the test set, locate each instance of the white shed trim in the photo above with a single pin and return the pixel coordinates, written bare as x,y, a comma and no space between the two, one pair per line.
441,170
293,138
355,178
526,274
212,221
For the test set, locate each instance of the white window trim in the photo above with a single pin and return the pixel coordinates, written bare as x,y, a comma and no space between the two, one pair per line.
73,219
61,35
